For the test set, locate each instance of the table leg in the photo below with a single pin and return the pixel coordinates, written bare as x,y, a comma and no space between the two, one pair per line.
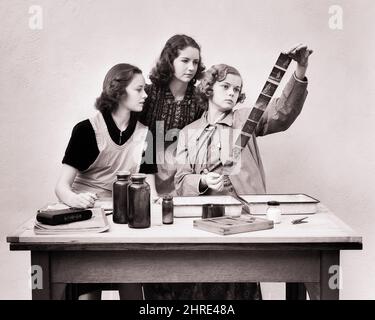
330,275
295,291
329,286
40,275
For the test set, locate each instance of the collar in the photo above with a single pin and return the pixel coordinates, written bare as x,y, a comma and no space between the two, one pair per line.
115,133
203,124
227,120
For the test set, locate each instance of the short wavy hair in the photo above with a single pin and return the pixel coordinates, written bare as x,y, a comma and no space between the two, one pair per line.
163,72
216,73
114,86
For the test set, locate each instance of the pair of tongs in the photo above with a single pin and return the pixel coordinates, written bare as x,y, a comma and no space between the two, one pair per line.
298,221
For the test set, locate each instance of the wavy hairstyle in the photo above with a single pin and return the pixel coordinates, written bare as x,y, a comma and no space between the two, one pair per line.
114,86
216,73
163,71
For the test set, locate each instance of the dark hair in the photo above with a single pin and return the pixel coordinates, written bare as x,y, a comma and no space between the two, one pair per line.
114,86
216,73
163,72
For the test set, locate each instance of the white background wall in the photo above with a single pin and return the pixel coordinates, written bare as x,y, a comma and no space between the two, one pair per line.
49,80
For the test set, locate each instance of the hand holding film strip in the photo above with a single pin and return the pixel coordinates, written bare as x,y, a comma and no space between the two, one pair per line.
299,53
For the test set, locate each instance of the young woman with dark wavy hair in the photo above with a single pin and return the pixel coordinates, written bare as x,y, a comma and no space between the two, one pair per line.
171,103
113,140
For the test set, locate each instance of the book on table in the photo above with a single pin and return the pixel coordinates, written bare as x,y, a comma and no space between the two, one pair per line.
62,216
79,221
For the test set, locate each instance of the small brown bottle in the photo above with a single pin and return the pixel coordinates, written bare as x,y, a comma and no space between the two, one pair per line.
120,197
167,209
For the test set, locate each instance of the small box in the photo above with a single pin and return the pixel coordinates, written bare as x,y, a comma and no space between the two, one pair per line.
213,211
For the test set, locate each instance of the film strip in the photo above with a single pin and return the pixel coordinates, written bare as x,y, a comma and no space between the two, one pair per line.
264,98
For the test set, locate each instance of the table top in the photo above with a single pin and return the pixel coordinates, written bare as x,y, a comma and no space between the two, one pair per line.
322,227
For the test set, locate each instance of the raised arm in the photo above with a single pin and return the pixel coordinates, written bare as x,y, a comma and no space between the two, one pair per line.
300,53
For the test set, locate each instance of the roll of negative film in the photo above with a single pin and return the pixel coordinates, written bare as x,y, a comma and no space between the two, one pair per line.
264,98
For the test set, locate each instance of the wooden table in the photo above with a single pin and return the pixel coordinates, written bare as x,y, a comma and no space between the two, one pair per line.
305,256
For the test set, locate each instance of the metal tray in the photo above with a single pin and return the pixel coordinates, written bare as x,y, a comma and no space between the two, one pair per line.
298,203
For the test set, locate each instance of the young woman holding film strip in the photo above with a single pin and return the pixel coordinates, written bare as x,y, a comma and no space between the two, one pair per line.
221,89
200,149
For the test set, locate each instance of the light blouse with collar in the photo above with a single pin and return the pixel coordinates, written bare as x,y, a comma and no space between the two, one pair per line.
248,176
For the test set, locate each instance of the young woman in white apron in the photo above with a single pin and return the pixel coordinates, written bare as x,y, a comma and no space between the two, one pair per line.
113,140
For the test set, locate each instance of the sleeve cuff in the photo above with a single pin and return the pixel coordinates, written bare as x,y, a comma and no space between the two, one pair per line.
189,186
299,80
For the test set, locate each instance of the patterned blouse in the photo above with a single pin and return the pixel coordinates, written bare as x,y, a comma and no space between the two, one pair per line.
160,105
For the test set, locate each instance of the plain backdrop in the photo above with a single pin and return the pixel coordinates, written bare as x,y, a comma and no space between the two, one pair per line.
49,80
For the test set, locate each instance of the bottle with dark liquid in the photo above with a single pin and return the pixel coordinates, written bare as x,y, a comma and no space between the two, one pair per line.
139,215
120,197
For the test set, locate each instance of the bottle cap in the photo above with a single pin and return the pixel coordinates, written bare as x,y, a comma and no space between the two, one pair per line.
138,177
167,197
273,203
123,174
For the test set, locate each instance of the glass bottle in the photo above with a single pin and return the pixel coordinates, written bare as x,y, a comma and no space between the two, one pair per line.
274,211
120,197
167,209
139,215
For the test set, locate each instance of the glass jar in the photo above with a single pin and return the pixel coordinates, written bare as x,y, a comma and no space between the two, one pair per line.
167,209
139,215
120,197
274,211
